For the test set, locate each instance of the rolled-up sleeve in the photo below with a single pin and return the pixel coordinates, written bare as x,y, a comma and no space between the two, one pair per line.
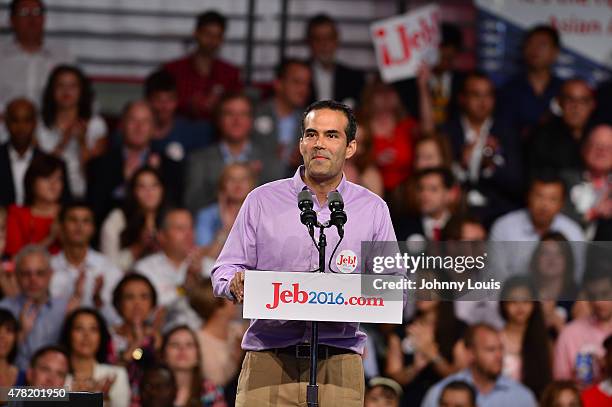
240,250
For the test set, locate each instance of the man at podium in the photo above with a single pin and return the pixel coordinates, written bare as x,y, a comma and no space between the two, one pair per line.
268,235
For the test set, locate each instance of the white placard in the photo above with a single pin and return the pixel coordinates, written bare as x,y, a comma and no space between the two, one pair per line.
404,42
315,296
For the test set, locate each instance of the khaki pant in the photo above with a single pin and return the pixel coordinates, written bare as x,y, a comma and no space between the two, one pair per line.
267,379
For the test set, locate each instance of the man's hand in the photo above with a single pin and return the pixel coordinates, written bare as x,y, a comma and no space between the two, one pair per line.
237,286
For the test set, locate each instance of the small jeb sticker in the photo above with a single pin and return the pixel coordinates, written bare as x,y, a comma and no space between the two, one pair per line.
346,262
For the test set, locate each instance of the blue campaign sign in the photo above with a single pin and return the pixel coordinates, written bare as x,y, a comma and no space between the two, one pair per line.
585,29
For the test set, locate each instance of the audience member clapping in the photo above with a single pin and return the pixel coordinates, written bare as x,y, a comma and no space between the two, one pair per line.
86,338
129,233
70,129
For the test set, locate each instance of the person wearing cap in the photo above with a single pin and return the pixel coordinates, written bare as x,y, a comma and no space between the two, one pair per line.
383,392
268,235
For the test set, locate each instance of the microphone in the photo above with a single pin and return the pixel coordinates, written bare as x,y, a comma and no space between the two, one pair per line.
337,216
307,216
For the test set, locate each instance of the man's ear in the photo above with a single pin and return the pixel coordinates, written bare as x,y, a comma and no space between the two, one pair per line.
351,149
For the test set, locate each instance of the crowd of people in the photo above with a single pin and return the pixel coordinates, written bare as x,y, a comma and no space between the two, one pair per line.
108,236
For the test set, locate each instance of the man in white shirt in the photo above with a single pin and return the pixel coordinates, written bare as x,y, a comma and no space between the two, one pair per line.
26,59
520,230
177,264
79,267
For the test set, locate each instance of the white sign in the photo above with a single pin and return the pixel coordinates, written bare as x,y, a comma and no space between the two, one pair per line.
405,42
316,296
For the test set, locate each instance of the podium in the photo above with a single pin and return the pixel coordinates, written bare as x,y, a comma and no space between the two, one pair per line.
320,297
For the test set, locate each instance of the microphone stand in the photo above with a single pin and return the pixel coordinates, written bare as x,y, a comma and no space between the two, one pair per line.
312,390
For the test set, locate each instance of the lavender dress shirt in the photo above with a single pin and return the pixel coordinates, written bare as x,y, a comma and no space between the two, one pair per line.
268,235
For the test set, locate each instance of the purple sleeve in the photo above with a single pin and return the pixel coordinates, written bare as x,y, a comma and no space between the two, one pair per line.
239,252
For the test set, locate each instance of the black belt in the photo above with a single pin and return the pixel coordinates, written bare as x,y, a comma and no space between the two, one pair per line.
302,351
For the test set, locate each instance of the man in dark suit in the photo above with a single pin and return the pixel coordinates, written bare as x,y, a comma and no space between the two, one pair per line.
486,152
204,167
108,174
330,79
18,152
436,195
445,81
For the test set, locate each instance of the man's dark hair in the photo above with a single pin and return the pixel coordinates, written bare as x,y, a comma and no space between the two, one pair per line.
159,81
47,349
475,74
317,20
281,69
447,176
451,36
15,4
210,17
461,386
351,126
544,29
75,204
607,343
547,176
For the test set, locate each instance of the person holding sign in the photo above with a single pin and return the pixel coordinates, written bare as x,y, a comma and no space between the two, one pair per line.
268,235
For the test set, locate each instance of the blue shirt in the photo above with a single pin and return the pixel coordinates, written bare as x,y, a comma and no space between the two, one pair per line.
505,393
268,235
208,222
47,326
521,107
189,134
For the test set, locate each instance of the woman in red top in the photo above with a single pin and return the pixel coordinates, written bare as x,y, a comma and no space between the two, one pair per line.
35,222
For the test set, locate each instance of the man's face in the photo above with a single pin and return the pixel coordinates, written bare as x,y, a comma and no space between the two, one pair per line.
236,120
478,99
50,371
78,227
577,103
164,104
323,42
177,236
540,51
21,123
473,232
488,353
597,151
432,195
138,126
456,398
29,21
33,276
323,145
381,396
294,86
209,38
544,202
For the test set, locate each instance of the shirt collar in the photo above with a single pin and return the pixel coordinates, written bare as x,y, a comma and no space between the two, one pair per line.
64,261
14,155
229,158
298,184
501,383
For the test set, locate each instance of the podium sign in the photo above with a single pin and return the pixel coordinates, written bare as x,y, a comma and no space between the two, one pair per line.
316,297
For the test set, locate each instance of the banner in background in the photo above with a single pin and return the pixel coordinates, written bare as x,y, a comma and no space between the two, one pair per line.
585,27
404,42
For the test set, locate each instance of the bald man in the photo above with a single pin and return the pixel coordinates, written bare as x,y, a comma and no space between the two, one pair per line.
17,153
